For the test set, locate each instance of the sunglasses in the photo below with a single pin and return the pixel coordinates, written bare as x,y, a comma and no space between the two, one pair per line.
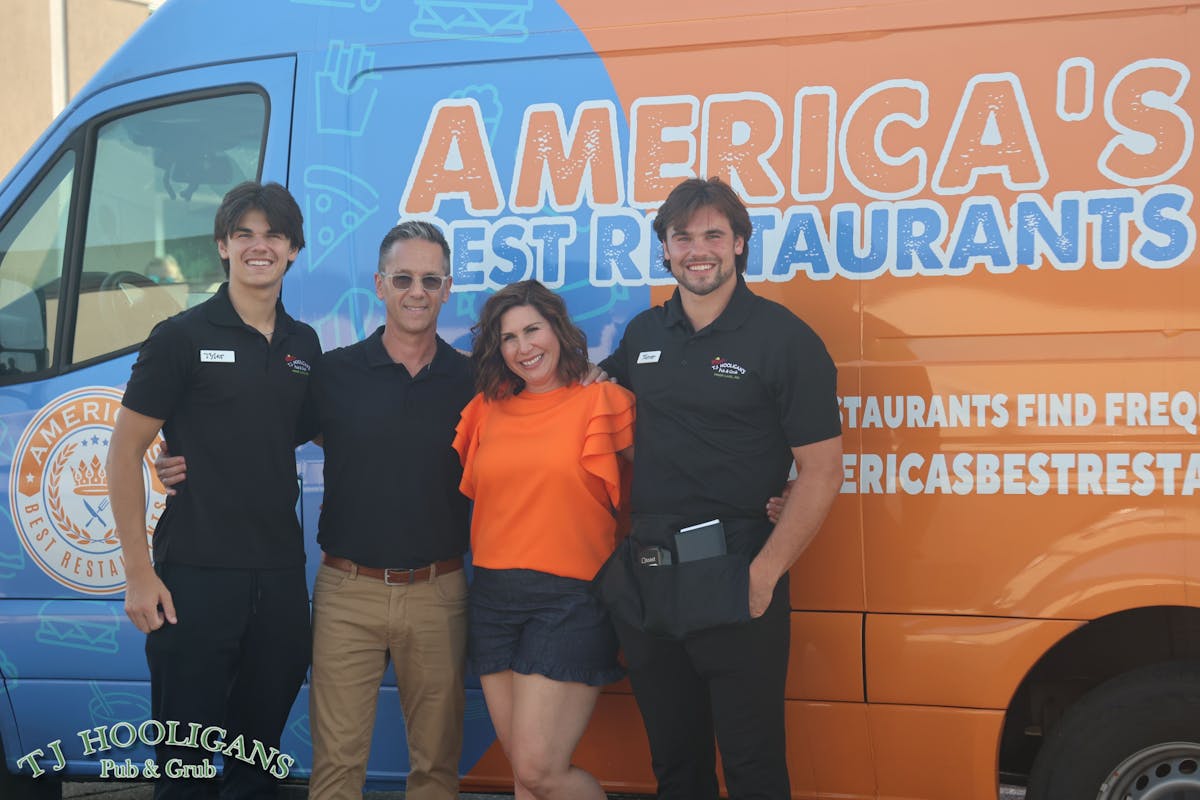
402,281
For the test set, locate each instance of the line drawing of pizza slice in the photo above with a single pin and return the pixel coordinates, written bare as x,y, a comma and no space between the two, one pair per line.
336,204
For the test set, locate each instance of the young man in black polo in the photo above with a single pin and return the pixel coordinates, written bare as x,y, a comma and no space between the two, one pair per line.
730,389
225,604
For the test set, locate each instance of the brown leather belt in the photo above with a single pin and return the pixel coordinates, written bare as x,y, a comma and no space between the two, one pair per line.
395,577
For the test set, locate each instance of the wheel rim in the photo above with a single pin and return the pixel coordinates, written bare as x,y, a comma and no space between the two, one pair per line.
1168,771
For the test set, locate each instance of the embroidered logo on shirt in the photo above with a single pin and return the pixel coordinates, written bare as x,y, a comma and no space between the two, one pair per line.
217,356
298,366
649,356
724,368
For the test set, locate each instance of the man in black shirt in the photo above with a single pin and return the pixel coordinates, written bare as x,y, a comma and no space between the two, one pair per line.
225,604
730,388
394,528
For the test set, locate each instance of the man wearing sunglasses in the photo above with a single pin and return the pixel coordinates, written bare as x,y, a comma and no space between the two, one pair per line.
393,528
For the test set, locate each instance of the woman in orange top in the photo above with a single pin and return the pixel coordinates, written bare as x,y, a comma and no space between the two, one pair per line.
542,460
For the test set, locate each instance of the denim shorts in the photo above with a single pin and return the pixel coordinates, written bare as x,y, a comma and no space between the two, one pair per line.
536,623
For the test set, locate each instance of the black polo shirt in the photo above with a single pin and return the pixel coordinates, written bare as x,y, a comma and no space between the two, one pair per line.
231,402
719,410
391,475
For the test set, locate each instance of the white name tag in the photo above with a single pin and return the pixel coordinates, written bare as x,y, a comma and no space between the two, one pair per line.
649,356
218,356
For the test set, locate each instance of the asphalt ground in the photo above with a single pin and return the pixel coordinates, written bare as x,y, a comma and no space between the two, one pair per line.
104,790
108,790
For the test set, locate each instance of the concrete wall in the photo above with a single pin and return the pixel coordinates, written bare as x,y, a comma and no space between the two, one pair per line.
94,28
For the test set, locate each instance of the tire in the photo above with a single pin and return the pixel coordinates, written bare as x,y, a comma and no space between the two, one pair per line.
1136,737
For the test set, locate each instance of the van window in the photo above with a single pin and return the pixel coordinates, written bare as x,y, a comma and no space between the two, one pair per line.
32,245
159,176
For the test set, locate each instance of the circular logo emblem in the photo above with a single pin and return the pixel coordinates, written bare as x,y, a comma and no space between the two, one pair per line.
58,491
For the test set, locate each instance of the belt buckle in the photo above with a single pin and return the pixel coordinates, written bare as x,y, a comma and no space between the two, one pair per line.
406,577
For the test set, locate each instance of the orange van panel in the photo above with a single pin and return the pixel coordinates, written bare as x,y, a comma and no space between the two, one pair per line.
826,657
924,753
1029,557
709,22
830,740
969,662
828,576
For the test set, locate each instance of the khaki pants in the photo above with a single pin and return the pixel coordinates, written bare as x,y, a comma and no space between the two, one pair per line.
357,622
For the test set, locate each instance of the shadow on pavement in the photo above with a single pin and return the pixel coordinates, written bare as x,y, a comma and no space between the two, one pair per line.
108,790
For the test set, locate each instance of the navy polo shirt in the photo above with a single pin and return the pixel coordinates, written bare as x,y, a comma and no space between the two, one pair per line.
232,403
391,474
718,410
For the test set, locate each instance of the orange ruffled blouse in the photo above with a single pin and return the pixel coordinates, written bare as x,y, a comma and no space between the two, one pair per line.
545,475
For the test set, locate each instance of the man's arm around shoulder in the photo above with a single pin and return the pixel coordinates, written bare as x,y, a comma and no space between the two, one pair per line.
132,434
818,480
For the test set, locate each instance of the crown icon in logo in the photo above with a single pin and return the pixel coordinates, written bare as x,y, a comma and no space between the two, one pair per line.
90,479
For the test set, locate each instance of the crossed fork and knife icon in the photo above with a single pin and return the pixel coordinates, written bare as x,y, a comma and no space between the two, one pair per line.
95,512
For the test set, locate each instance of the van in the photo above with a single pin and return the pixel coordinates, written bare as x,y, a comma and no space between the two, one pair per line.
985,209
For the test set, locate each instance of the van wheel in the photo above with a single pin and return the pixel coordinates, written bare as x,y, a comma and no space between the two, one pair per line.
1136,737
